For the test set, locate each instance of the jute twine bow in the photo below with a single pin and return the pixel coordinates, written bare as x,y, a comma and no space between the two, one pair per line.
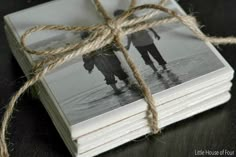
111,31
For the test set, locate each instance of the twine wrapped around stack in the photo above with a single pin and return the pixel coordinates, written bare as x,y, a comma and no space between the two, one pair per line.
101,35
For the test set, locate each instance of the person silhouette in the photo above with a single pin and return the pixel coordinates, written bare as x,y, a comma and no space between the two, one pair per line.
144,43
107,63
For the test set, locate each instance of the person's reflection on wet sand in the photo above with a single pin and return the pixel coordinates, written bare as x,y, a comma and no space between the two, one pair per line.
173,77
171,80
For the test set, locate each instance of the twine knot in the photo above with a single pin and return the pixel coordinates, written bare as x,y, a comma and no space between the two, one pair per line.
115,27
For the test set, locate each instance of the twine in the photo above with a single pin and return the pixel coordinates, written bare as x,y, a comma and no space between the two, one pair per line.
101,35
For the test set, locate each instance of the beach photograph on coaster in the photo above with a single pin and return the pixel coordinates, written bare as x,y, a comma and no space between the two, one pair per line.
93,98
95,83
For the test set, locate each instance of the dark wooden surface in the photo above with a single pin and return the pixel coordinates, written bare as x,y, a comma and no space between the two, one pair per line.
32,134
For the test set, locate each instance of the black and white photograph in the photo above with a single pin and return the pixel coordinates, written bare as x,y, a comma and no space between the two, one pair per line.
73,94
101,81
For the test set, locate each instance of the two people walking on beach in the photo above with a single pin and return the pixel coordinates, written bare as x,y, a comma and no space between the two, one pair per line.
108,63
